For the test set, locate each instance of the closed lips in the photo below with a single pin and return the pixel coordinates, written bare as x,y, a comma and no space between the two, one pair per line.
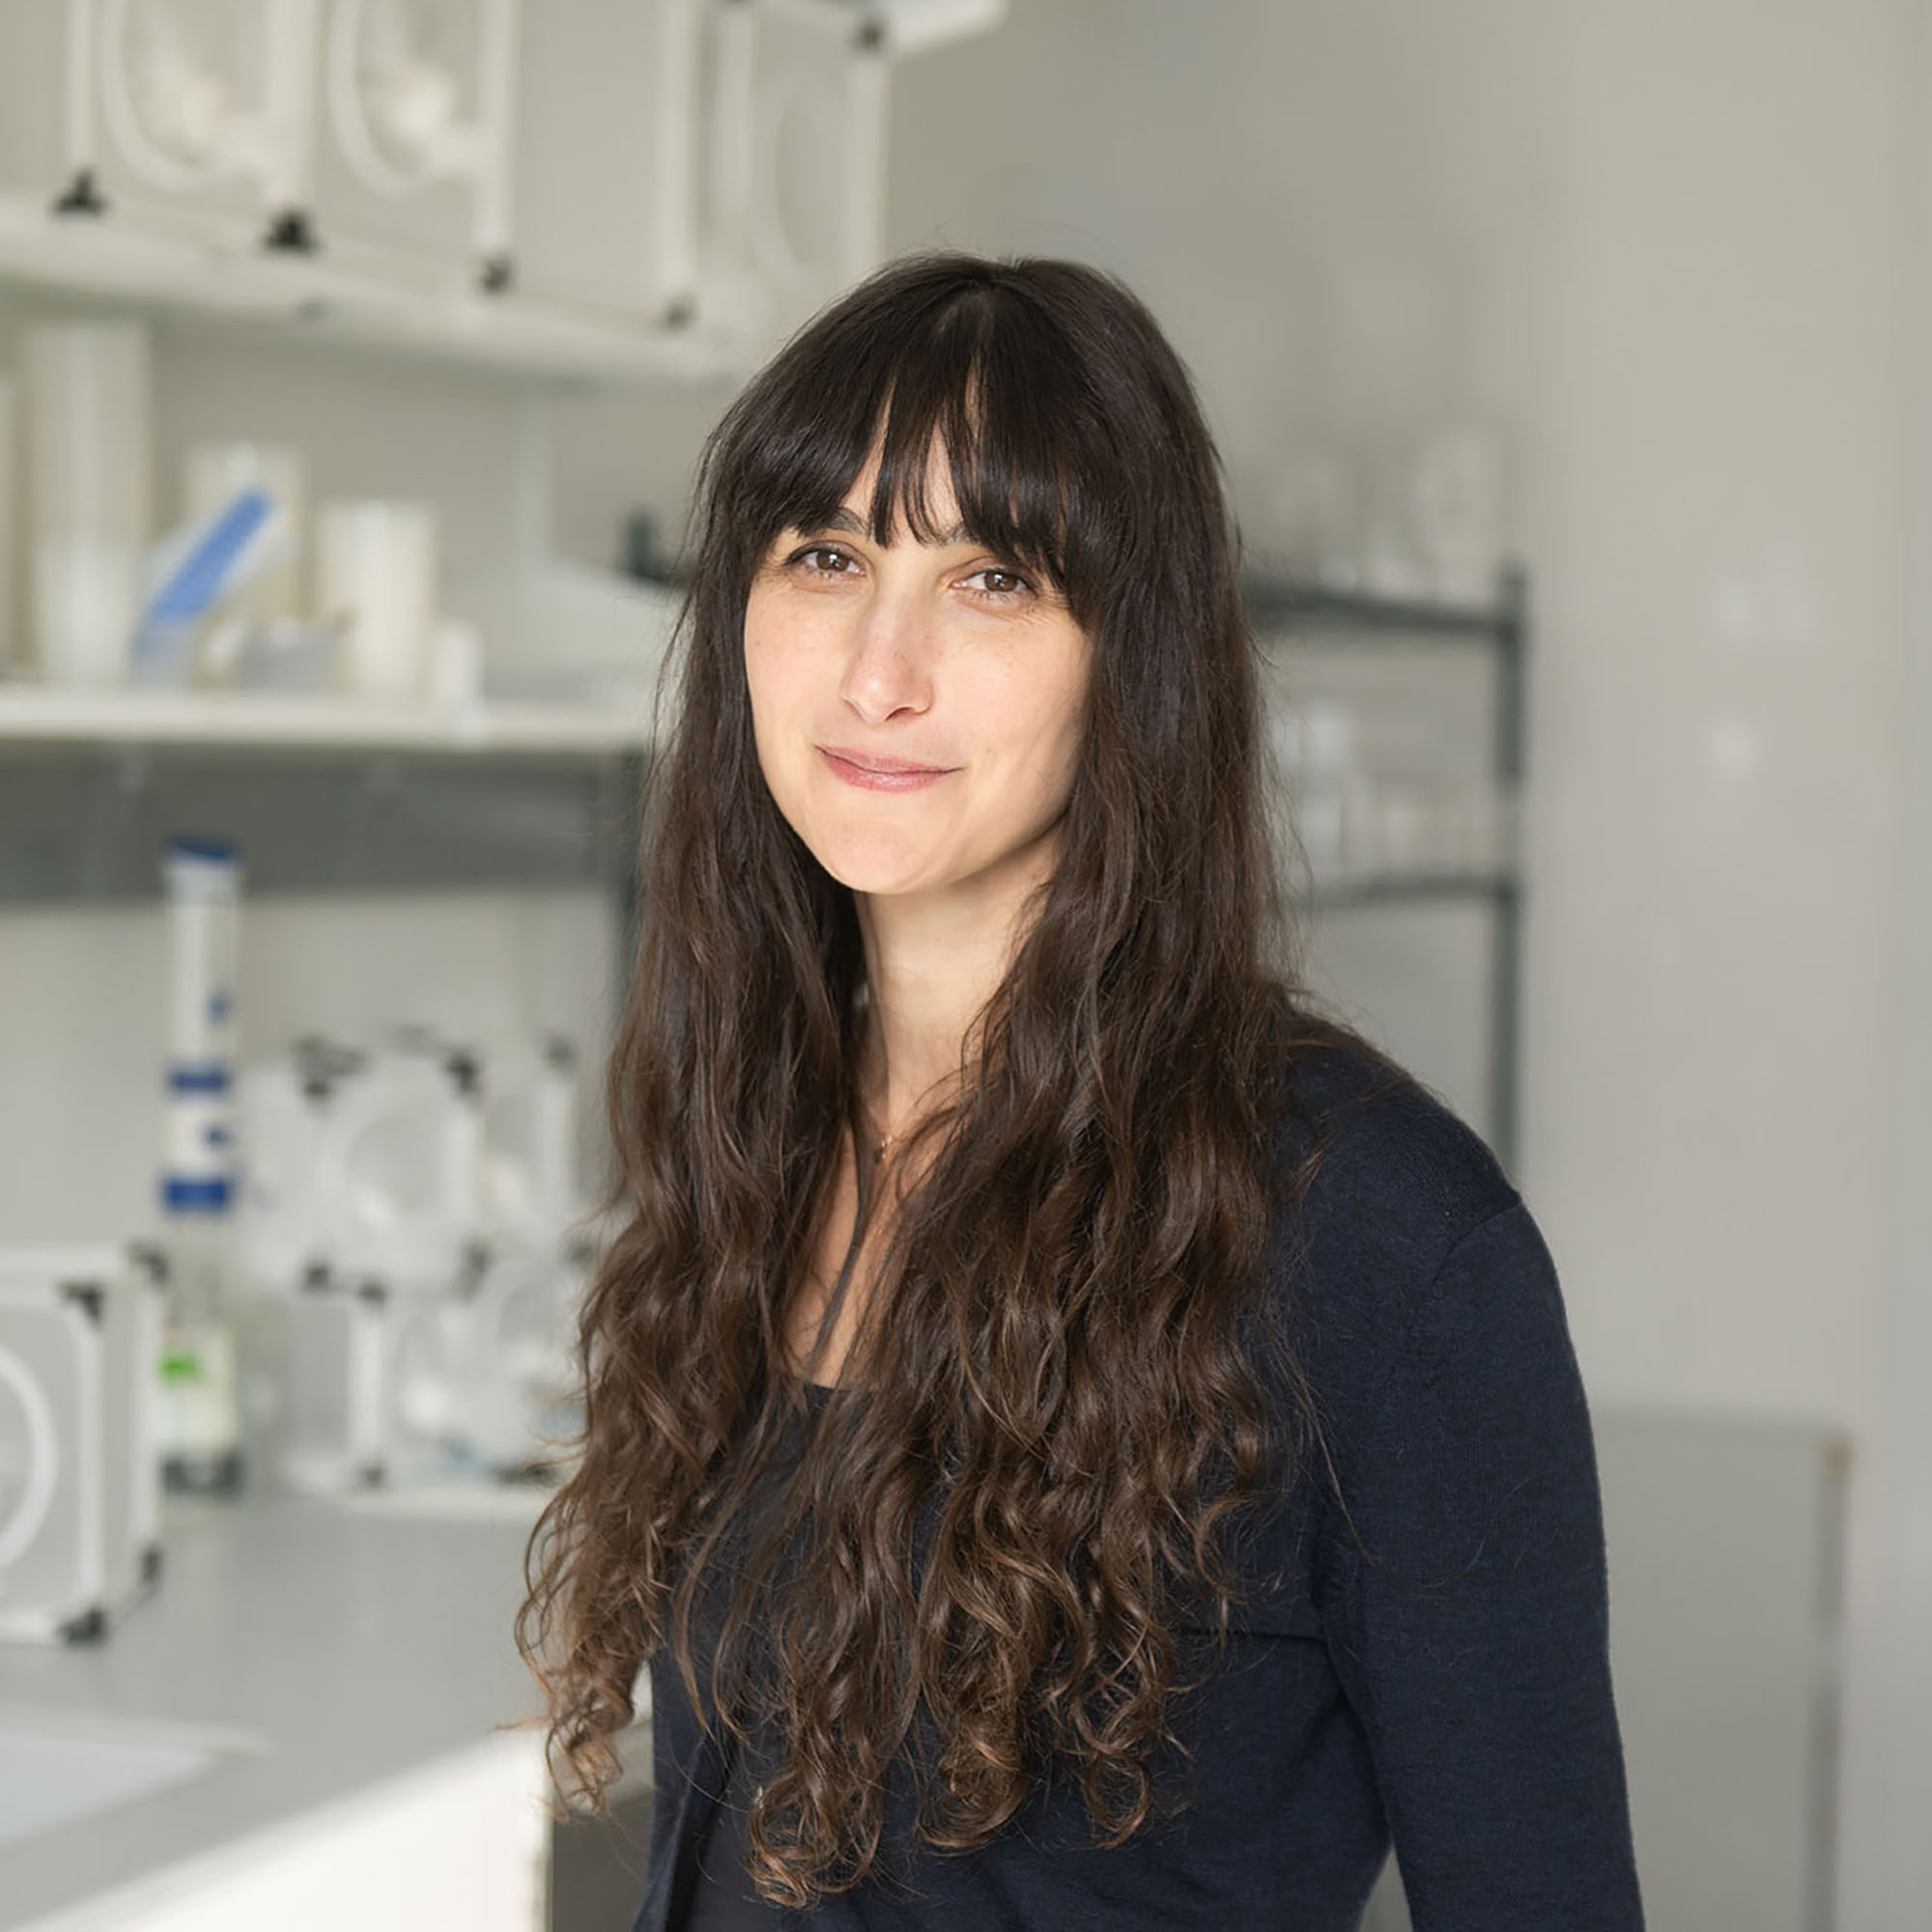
880,761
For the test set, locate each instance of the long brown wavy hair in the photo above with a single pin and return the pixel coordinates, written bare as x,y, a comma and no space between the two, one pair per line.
1060,1399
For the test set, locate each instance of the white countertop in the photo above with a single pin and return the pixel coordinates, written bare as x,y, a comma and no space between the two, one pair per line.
337,1648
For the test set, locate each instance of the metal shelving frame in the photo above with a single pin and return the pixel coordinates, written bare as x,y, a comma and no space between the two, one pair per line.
1313,613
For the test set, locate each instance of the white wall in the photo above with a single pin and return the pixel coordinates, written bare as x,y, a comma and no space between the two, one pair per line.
1909,1687
1662,246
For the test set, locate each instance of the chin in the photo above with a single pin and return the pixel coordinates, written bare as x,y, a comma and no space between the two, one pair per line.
865,867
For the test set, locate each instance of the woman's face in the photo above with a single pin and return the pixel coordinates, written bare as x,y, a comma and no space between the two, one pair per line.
918,707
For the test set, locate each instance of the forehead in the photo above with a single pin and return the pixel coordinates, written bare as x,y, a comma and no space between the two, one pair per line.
941,522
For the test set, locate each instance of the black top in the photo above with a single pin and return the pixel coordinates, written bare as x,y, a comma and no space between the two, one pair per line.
716,1894
713,1891
1446,1688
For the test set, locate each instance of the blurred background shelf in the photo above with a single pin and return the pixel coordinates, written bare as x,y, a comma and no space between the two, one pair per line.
1393,889
46,715
1303,616
1274,603
383,305
321,795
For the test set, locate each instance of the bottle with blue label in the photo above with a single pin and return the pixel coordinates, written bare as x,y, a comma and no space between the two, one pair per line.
199,1408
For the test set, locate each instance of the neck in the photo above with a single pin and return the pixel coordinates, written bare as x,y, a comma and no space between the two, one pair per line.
933,960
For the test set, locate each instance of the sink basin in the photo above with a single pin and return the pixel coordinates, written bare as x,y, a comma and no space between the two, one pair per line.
53,1770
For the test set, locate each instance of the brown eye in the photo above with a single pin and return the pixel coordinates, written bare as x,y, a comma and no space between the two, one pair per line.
821,564
997,582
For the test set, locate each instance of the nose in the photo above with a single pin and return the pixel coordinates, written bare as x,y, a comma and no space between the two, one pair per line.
887,670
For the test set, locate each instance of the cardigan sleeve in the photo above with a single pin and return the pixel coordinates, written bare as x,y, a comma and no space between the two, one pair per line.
1466,1610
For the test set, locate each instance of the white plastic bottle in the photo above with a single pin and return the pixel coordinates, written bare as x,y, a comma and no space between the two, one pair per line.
199,1413
89,461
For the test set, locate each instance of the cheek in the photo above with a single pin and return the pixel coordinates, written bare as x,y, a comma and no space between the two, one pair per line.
779,675
763,663
771,705
1058,706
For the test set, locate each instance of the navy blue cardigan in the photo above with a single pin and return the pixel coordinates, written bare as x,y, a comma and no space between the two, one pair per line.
1437,1678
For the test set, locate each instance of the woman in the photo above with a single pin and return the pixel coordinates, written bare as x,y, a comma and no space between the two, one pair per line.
1076,1440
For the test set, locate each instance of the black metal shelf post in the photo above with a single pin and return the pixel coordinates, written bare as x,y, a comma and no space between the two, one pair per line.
1351,619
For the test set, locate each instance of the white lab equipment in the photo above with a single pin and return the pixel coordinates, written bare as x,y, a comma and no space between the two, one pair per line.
214,474
797,125
486,145
79,1506
355,1161
521,1372
89,446
282,1109
332,1346
425,1363
376,578
399,1162
417,130
529,1186
374,1378
195,571
178,116
604,203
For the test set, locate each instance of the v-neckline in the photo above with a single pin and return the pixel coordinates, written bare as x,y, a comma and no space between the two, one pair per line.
865,1163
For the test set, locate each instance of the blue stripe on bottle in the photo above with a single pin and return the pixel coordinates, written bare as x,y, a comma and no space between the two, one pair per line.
210,851
183,1196
200,1076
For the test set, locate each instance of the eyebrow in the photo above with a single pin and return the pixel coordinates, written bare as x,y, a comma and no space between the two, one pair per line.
854,525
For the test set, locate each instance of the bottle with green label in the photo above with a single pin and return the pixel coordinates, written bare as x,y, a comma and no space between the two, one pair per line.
198,1411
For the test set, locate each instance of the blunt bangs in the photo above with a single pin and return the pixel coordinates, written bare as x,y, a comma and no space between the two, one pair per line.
984,374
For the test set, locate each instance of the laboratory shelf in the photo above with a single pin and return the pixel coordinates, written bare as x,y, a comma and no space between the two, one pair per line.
1411,889
49,715
379,302
1293,606
321,795
1305,613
